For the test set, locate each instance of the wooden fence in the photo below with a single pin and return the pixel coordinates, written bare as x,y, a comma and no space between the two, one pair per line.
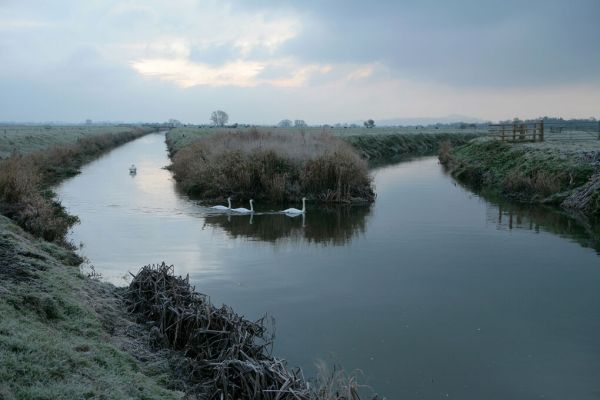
518,131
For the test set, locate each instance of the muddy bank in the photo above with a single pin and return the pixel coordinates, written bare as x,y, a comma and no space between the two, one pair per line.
562,174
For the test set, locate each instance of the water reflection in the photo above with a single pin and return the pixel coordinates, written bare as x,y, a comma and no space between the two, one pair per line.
509,216
327,225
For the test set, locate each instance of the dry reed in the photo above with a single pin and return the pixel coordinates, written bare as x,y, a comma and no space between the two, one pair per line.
273,167
224,355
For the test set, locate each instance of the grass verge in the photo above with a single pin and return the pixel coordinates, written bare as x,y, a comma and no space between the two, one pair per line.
530,173
63,335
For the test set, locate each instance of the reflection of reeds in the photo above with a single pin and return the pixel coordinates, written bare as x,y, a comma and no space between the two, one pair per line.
274,167
223,355
333,225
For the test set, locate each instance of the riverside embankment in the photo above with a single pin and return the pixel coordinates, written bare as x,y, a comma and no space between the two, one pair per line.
62,334
566,175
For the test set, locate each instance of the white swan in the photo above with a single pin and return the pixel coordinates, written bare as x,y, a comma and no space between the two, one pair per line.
245,210
220,207
295,211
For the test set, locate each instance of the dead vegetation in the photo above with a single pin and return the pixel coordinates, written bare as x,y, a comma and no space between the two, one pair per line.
25,181
273,167
224,356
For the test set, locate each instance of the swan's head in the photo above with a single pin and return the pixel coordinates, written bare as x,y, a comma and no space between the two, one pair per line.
251,201
229,198
304,199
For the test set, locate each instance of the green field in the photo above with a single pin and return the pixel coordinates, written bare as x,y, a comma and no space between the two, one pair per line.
25,139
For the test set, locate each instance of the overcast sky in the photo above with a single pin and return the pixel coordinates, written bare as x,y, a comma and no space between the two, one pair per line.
321,61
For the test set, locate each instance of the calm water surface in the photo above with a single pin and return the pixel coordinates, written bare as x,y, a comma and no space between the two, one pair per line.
433,292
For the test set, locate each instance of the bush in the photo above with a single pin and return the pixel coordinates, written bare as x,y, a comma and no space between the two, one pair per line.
273,167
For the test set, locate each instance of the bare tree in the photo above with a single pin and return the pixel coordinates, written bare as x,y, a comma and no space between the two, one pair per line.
285,123
299,123
219,118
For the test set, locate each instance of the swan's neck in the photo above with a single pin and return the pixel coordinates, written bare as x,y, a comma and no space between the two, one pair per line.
303,205
229,203
252,206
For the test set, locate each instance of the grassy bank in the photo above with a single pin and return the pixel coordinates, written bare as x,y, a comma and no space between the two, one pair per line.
26,176
271,167
385,148
561,174
26,139
63,335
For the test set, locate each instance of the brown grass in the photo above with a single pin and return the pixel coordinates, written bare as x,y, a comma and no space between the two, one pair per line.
25,181
540,182
21,199
445,152
273,167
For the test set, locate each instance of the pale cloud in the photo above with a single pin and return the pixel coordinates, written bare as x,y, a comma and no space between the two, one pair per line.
242,73
186,74
360,73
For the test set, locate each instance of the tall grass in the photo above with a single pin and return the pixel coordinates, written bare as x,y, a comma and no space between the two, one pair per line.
22,199
25,181
273,167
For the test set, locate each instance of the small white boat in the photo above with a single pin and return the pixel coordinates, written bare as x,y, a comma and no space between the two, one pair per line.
132,169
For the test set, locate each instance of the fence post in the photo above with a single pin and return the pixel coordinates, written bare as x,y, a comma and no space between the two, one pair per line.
541,131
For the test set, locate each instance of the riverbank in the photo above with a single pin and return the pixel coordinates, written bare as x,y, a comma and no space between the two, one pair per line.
62,334
566,175
38,161
388,148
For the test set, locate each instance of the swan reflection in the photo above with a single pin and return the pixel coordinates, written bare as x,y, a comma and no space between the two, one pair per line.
331,225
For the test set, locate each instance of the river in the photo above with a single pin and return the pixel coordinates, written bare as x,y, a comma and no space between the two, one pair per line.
433,292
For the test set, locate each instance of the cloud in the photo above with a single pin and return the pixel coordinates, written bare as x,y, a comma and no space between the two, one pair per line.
321,61
242,73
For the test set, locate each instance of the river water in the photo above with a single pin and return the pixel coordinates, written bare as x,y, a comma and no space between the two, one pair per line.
433,292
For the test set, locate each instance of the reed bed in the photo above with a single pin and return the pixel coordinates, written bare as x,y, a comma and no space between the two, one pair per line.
273,167
225,356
